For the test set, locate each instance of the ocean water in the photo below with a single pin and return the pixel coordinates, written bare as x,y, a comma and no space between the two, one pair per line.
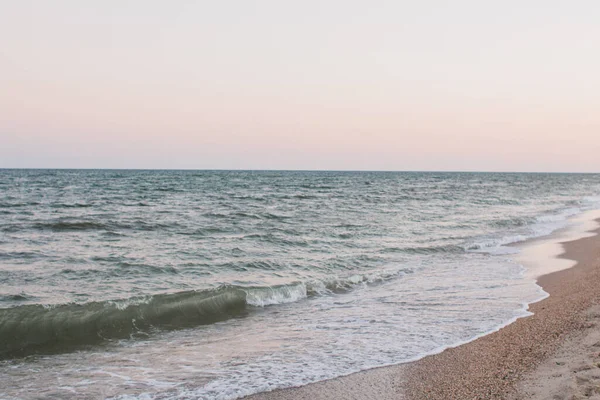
219,284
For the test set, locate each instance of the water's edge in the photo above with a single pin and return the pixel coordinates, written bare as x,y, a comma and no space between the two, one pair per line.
532,252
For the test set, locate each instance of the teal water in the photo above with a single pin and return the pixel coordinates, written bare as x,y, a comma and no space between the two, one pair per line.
217,284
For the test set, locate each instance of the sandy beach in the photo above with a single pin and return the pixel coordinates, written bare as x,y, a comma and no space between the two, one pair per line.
553,354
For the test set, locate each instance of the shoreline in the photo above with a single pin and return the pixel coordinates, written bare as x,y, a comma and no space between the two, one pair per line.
493,365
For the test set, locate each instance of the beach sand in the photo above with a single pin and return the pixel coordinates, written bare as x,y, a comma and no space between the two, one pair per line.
553,354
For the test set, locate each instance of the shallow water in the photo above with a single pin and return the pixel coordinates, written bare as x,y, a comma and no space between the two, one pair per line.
216,284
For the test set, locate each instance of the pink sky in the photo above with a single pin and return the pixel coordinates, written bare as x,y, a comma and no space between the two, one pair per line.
377,85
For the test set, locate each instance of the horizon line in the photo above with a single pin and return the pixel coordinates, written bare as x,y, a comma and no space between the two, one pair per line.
294,170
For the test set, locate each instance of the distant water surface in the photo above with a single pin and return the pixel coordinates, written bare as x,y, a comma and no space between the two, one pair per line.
218,284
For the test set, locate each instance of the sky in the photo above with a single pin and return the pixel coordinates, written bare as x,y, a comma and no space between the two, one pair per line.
463,85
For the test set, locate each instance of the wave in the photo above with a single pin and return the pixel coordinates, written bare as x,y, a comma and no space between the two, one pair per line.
31,329
71,205
246,215
69,226
541,225
561,216
19,205
303,196
512,222
80,225
20,297
167,189
266,296
444,249
345,284
20,255
316,186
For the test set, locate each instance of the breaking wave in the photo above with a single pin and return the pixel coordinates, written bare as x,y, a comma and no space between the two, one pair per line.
29,329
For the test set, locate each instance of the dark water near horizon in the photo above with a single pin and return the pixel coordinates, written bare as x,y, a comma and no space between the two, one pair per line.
217,284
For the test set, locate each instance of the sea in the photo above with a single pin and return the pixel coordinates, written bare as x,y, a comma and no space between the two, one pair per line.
149,284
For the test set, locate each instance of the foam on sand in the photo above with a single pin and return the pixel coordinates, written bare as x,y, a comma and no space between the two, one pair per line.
541,256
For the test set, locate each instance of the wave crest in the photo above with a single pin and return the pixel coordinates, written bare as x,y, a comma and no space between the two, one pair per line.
28,329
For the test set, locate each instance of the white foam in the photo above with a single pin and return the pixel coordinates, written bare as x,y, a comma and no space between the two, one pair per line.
559,217
541,256
122,304
275,295
545,225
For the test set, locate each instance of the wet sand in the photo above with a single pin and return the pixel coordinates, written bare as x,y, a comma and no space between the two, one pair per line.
553,354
